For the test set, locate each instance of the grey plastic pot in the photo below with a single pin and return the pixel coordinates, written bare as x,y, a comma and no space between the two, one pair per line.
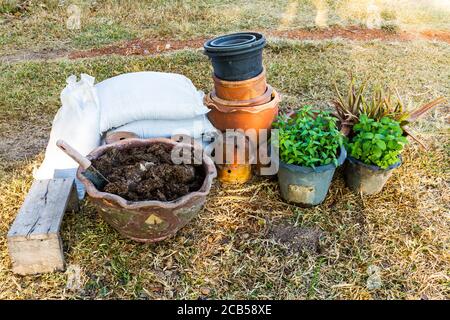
307,186
367,179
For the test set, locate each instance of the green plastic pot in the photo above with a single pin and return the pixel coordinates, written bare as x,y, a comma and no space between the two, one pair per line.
367,179
307,186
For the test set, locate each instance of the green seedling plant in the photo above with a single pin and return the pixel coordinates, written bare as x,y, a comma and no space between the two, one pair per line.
309,138
377,142
382,102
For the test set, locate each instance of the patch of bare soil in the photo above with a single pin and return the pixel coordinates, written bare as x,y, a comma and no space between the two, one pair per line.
148,173
46,54
153,46
361,34
21,140
436,35
297,239
139,47
351,33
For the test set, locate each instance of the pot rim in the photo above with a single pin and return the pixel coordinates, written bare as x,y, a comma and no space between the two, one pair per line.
375,167
242,103
306,170
248,37
208,164
258,43
273,103
113,136
239,83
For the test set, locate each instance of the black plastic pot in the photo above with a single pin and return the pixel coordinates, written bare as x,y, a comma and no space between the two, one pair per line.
237,56
232,41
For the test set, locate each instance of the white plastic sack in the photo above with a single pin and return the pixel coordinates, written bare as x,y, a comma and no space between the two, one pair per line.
195,127
78,123
147,96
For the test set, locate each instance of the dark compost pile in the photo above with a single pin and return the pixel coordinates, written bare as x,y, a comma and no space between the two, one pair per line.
148,173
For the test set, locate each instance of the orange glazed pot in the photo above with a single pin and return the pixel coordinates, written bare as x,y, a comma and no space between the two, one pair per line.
236,166
257,117
262,99
241,90
234,173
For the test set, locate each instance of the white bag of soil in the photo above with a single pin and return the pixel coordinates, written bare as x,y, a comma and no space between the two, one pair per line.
195,127
78,123
88,110
147,96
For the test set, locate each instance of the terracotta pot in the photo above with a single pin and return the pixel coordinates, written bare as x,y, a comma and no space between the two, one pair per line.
241,90
257,117
266,97
147,221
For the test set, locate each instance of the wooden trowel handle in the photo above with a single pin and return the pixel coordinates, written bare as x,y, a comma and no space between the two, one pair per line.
74,154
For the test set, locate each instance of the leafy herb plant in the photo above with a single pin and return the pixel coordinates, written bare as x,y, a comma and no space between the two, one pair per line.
309,138
377,142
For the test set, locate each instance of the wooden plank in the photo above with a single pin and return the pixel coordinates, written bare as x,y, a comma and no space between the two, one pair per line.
36,256
73,204
34,240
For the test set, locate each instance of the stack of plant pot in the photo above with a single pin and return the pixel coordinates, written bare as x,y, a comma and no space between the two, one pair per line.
241,98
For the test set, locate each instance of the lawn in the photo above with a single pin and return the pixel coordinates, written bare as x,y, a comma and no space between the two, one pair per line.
229,250
41,25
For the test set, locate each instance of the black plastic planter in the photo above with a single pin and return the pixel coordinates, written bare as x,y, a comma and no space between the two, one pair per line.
237,56
233,40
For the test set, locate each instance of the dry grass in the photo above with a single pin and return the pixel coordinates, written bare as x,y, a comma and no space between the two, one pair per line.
42,24
227,252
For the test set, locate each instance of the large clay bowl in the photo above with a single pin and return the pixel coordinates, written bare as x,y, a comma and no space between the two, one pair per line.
256,117
112,136
147,221
240,90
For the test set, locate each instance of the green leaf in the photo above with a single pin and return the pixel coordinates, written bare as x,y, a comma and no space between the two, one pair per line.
381,144
377,152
